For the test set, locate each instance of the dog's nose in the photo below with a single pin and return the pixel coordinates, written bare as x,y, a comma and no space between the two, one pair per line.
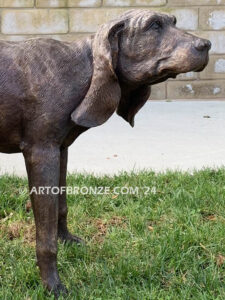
201,44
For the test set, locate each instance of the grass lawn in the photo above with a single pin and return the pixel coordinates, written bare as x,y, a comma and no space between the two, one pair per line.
168,243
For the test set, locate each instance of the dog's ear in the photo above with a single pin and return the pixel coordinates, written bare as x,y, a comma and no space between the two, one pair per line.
132,102
104,93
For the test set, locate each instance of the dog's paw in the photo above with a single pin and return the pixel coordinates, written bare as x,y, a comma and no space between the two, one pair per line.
59,290
70,238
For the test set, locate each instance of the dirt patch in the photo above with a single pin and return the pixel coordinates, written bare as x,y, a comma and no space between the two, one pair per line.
28,206
18,230
220,260
103,226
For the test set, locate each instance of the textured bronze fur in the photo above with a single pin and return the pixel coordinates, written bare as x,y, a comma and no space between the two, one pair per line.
51,92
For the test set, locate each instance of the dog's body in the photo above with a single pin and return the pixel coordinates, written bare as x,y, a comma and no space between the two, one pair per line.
42,81
51,91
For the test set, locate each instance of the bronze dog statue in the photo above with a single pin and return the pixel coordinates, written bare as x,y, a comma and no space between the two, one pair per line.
52,91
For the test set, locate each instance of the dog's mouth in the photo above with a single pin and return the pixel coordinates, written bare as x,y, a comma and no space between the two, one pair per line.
162,74
202,67
165,69
166,76
168,67
168,73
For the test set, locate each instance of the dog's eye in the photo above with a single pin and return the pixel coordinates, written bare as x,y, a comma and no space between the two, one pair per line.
154,25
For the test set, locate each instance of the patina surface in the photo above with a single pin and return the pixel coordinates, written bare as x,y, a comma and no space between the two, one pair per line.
51,92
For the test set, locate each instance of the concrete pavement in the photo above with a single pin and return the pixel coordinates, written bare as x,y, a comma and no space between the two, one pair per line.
183,135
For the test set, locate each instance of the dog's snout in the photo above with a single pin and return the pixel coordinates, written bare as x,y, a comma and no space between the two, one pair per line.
201,44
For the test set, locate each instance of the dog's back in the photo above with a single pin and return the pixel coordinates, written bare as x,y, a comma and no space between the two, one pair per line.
38,77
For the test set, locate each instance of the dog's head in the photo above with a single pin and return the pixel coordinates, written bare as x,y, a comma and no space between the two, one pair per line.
153,49
131,53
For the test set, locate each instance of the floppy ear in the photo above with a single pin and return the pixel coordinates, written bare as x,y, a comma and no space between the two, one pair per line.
132,102
104,93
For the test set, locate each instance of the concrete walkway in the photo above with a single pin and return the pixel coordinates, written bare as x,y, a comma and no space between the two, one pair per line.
167,135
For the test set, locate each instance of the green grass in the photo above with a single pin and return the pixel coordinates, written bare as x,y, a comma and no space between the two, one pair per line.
164,245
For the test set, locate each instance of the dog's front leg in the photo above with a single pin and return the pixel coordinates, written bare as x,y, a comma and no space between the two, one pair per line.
63,231
43,167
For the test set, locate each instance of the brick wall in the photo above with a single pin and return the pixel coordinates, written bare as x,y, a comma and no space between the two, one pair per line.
71,19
